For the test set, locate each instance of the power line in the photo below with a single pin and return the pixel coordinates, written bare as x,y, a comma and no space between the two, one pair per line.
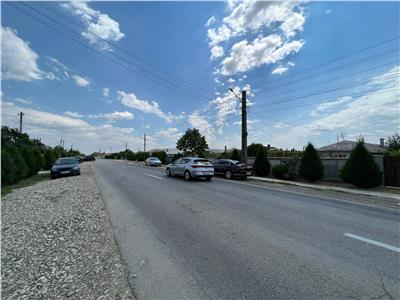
332,89
101,53
336,59
332,79
124,50
326,101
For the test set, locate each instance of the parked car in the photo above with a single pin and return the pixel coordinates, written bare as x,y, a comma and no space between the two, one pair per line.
79,159
65,166
153,161
89,158
191,167
231,168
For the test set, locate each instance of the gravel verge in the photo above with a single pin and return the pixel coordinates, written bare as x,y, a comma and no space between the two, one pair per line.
57,243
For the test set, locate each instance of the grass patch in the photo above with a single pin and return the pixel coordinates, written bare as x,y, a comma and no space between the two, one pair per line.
25,182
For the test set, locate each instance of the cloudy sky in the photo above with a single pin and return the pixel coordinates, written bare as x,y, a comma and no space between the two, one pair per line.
98,74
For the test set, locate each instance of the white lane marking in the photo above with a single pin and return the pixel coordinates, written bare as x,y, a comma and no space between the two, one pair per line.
158,177
372,242
123,167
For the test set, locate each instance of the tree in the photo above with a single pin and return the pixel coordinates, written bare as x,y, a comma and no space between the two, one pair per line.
311,167
27,154
253,149
19,162
161,155
393,142
235,154
49,159
8,168
38,159
361,168
192,141
261,164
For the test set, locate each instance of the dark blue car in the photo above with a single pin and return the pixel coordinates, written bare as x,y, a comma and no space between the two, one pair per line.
64,167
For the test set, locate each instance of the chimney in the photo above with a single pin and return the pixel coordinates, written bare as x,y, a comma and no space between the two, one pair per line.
382,142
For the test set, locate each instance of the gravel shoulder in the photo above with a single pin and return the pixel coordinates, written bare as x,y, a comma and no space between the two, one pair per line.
57,242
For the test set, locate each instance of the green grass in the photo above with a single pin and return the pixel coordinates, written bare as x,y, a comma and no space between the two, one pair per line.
25,182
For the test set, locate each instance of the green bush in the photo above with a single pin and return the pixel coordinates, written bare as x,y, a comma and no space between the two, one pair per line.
280,171
361,168
8,168
27,154
49,158
130,155
38,159
22,169
177,156
235,154
311,167
261,164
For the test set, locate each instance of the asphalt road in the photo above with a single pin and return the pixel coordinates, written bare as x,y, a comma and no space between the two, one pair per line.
234,240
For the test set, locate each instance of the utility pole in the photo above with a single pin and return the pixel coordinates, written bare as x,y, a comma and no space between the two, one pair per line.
20,114
244,127
244,124
144,144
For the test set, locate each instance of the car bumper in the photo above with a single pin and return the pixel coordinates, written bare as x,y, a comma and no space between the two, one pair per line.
242,174
65,173
202,173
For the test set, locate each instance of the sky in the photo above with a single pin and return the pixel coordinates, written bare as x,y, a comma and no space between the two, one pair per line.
102,74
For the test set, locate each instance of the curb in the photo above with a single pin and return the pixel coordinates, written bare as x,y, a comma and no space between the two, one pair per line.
328,188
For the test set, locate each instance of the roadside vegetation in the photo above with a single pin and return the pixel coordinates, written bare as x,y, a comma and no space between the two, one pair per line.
311,167
22,158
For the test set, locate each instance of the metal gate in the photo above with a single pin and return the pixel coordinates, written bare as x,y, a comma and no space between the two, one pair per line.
391,167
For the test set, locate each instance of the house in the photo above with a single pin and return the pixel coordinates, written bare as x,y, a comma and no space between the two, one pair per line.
343,149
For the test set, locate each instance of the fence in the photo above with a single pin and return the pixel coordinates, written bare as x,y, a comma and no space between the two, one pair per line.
392,170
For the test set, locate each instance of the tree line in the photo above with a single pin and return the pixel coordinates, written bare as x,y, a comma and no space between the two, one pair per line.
22,157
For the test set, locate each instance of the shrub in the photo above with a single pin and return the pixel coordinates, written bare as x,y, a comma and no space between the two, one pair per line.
49,159
130,155
280,171
177,156
311,167
8,168
235,154
38,159
261,164
161,155
361,169
22,170
27,154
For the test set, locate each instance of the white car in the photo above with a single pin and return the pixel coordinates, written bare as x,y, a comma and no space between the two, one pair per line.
153,161
191,167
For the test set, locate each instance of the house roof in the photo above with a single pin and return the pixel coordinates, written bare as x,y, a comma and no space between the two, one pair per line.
347,146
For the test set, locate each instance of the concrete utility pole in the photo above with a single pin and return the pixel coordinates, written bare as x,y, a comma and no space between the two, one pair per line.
21,114
244,127
244,124
144,143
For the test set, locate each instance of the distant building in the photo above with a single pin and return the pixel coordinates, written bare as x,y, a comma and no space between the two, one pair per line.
343,149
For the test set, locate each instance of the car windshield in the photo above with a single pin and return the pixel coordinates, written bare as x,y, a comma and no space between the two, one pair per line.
66,161
154,158
235,162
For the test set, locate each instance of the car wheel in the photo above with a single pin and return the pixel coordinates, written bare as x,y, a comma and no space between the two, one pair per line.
168,171
187,175
228,174
53,176
208,178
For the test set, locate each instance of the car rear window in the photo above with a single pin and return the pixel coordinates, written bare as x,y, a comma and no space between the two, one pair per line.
201,162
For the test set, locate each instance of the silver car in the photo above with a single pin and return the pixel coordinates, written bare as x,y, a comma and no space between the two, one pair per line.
191,167
153,161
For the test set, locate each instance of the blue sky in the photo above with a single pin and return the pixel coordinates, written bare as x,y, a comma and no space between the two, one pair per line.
313,70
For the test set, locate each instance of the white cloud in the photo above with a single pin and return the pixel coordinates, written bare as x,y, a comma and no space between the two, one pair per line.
245,56
23,101
280,70
171,135
329,105
73,114
202,124
51,127
211,21
218,35
231,80
81,81
293,24
216,51
106,92
99,26
19,61
130,100
328,11
114,116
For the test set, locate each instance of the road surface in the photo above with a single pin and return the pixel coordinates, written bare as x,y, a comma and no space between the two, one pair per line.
234,240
